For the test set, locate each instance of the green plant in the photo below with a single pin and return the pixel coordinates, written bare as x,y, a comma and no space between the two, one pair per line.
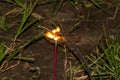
107,62
10,53
71,72
3,51
3,23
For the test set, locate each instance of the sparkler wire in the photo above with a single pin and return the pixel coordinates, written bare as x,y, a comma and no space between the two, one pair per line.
55,60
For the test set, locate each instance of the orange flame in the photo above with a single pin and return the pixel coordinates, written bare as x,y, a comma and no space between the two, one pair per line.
54,34
57,30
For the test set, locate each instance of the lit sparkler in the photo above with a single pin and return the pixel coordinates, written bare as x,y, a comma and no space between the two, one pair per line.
55,36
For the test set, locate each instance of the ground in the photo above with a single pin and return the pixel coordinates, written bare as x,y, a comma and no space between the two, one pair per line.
83,27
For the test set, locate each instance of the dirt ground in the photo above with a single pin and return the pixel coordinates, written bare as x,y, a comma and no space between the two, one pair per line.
85,36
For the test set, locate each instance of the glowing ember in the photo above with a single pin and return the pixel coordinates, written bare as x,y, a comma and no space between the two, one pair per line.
54,34
57,30
49,35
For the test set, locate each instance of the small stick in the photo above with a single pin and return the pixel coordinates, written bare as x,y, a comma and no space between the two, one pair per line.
55,60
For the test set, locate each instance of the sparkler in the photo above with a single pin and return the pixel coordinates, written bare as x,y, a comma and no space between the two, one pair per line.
55,60
55,36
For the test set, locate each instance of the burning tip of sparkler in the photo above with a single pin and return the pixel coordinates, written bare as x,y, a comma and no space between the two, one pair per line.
54,35
57,30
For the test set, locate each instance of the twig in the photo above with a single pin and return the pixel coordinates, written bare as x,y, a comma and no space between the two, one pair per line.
114,15
15,10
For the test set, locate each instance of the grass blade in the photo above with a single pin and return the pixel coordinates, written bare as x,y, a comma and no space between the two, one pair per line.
94,2
25,59
3,23
28,25
57,6
17,50
19,3
71,71
27,13
2,52
9,1
73,4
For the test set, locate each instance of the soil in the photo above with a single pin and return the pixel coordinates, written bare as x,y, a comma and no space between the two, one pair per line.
85,36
